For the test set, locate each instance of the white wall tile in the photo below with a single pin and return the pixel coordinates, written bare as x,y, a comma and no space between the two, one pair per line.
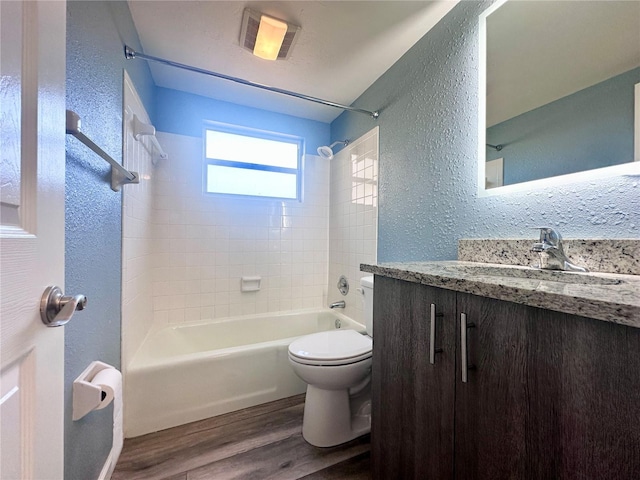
187,250
352,218
138,305
216,239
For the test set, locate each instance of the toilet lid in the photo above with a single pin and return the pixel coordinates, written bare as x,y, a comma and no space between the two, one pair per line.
331,345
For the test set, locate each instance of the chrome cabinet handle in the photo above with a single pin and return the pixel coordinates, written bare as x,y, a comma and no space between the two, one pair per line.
463,345
57,309
432,335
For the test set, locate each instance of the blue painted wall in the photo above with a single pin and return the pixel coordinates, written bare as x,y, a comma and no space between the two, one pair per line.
183,113
96,32
589,129
428,121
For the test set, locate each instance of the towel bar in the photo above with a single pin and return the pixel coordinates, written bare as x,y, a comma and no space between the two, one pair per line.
119,175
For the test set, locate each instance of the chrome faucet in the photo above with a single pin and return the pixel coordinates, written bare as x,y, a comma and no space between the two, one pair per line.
551,253
339,304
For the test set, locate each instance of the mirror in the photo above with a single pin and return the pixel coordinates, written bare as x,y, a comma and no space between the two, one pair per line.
560,89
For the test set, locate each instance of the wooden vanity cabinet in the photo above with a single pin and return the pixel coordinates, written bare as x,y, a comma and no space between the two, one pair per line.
548,395
505,412
413,401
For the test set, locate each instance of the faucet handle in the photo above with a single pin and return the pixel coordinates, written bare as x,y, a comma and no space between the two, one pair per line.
549,236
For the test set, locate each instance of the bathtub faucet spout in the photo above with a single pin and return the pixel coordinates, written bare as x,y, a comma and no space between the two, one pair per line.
339,304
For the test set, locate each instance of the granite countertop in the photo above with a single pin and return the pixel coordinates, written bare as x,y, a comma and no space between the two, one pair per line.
604,296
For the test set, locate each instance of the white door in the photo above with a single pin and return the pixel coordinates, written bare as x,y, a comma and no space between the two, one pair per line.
32,162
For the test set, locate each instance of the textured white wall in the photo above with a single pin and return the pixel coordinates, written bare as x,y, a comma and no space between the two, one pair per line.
428,122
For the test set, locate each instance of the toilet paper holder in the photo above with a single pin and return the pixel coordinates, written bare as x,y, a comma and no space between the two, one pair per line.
86,395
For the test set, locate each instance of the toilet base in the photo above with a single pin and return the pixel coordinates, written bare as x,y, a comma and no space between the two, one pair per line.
332,417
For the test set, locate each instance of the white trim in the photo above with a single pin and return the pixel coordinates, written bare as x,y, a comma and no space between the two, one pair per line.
494,173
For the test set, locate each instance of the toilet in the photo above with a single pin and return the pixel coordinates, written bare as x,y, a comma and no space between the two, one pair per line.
336,365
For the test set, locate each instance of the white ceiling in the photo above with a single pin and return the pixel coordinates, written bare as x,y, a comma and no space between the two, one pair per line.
540,51
343,47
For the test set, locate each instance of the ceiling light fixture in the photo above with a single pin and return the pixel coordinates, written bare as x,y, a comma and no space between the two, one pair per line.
266,36
271,33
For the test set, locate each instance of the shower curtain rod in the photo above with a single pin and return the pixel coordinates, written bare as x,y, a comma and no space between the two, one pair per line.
130,53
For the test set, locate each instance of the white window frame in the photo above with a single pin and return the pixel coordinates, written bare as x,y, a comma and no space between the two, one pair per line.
254,133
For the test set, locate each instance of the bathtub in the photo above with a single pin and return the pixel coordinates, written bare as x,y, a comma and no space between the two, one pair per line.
190,372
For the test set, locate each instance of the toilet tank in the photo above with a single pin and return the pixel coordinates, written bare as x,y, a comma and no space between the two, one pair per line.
367,302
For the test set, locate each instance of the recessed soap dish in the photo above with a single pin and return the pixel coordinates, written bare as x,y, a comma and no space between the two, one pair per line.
250,284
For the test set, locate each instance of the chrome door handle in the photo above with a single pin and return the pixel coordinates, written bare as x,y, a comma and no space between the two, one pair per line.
57,309
432,335
463,345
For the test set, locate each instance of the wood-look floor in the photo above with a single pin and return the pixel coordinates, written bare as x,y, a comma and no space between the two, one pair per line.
262,442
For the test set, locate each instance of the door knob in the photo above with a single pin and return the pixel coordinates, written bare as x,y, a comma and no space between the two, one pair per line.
57,309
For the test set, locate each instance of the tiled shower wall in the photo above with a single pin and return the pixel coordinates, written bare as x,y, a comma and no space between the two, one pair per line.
185,251
203,244
137,232
353,218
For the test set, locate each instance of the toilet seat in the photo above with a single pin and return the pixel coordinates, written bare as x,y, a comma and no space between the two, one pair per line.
335,347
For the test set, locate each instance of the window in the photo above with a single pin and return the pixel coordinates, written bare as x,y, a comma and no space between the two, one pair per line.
241,161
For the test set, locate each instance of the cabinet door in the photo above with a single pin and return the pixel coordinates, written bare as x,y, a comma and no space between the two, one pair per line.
506,412
600,402
548,396
412,399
